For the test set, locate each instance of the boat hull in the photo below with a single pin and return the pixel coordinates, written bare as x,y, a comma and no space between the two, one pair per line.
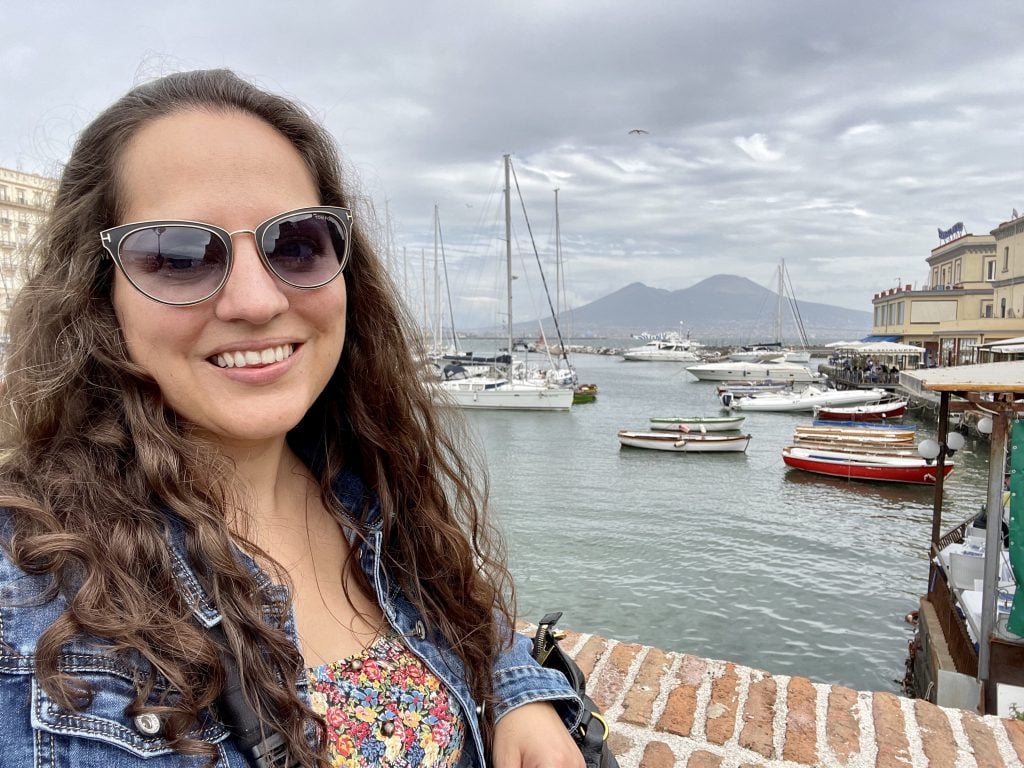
697,423
877,412
466,395
864,467
776,372
584,393
803,402
662,441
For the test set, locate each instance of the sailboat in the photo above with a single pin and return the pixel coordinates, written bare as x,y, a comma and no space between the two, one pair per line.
582,393
501,390
773,351
803,354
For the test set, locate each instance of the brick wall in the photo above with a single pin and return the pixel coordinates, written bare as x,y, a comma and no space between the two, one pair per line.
672,710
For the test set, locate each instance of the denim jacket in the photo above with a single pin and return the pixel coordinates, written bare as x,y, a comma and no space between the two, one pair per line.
35,732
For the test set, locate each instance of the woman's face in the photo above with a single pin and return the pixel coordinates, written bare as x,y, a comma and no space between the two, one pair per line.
234,171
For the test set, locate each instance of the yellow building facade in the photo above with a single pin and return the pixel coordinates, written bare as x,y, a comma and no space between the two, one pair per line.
24,200
974,295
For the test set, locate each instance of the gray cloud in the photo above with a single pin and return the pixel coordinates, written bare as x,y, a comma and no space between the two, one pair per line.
835,135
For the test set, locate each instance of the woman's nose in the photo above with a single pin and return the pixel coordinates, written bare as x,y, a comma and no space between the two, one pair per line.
251,292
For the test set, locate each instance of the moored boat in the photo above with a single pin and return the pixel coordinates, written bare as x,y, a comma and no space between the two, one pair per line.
752,387
728,371
825,433
691,443
669,348
805,401
584,393
864,466
696,423
885,411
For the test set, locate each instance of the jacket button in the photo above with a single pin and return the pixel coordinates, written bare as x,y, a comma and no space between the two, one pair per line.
419,630
147,724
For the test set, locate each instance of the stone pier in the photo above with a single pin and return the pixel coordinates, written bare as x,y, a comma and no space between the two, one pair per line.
673,710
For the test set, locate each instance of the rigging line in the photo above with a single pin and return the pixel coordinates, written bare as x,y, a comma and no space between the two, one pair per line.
447,286
794,307
547,293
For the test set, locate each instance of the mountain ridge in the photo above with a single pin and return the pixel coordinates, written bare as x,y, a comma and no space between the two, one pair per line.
719,309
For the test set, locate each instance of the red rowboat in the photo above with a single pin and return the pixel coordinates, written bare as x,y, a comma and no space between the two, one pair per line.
874,412
863,466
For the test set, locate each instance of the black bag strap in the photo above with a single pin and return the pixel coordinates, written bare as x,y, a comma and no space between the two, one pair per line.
262,749
592,734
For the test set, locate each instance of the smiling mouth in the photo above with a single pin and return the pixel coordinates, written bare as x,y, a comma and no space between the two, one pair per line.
250,358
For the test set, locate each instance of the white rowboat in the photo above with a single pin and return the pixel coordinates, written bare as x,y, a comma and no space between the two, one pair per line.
696,423
664,441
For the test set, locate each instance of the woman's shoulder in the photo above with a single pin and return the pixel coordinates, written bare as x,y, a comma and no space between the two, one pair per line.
29,603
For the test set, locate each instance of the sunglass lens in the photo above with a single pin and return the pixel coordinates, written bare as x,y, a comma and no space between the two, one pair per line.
174,264
306,249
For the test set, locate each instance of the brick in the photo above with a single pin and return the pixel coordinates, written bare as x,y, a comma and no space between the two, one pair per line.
657,754
1015,730
589,654
570,639
678,715
982,740
842,727
682,700
619,743
721,715
801,743
757,733
937,739
638,704
606,689
691,671
704,760
893,749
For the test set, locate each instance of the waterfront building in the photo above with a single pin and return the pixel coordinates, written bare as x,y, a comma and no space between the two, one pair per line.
974,295
24,199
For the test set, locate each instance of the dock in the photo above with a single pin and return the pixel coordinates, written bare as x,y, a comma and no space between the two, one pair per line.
674,710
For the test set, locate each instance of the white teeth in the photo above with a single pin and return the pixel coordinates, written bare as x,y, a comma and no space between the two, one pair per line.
254,357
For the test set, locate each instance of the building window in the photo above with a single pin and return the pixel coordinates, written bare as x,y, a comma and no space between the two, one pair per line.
3,192
956,271
935,278
990,269
986,309
899,313
1006,258
21,197
1002,307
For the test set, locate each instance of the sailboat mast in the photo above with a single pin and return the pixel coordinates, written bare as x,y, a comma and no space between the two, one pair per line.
778,313
558,260
438,330
508,246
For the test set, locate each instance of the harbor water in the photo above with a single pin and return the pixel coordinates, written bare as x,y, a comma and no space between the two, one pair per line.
725,556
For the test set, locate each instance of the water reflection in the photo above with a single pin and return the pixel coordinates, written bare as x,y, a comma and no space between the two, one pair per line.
893,495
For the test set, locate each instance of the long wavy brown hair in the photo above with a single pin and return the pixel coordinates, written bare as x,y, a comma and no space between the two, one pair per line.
97,470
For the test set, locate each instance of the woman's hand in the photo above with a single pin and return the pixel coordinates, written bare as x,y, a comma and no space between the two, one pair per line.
534,736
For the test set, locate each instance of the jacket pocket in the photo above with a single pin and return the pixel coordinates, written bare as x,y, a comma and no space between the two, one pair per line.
102,735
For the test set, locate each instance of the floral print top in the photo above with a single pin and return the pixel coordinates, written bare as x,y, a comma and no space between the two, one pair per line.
384,707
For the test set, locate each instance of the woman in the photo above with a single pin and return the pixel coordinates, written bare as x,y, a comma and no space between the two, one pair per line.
218,454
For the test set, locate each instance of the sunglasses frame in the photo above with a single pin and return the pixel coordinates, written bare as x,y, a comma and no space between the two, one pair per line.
112,238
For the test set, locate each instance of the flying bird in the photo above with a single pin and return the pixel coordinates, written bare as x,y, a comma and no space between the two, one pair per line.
639,130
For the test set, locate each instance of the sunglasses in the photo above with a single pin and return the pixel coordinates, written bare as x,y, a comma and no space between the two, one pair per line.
186,262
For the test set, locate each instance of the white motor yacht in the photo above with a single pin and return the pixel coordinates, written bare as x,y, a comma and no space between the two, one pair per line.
774,371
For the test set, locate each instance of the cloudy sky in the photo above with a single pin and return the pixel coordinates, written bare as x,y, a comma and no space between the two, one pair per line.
835,135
